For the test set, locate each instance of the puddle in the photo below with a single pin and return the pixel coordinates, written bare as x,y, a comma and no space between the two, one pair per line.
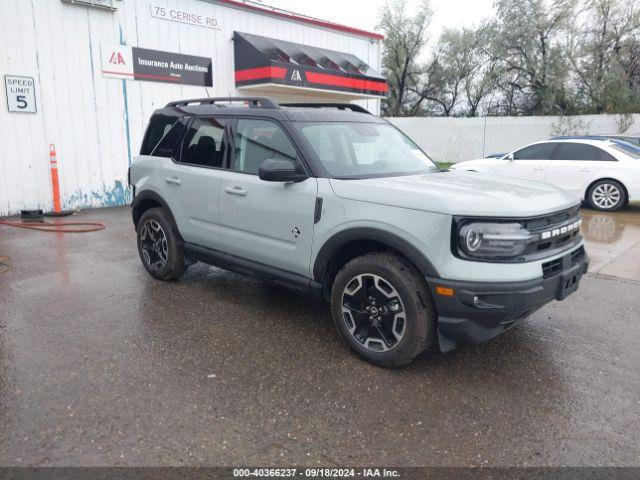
613,242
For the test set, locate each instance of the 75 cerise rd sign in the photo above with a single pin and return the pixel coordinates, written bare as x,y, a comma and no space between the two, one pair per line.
199,18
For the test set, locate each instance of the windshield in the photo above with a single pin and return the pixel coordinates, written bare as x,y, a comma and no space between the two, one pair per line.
357,150
627,148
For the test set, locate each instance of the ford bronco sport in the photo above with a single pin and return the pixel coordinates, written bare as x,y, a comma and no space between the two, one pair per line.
333,201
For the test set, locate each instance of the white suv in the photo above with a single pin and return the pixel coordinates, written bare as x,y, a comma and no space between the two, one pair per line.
605,172
332,201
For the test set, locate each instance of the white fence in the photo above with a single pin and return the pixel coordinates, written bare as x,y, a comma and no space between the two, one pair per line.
455,139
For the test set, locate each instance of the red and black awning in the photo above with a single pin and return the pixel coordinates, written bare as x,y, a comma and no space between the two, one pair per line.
267,61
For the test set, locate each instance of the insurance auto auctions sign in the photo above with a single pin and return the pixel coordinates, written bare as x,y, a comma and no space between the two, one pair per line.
133,63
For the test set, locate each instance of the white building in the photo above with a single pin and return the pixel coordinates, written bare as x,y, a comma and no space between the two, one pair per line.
83,76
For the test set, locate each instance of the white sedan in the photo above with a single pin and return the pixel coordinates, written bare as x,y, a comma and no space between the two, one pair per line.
605,173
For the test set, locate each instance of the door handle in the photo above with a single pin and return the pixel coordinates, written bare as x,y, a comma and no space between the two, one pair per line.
585,170
235,191
538,169
174,180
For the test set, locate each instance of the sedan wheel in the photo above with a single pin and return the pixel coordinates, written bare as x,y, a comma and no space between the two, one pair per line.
607,195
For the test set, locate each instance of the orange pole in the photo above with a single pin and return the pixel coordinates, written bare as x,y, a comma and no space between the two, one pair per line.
55,184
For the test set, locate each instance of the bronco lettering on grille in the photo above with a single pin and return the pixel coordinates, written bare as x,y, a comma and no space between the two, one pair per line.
556,232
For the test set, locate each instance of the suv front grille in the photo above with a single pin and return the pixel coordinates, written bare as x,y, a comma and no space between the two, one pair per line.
547,221
558,228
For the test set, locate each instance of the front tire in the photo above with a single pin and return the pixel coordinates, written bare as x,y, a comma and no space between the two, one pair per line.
383,309
159,245
607,196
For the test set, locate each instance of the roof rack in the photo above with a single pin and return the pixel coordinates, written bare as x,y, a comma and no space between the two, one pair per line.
340,106
260,102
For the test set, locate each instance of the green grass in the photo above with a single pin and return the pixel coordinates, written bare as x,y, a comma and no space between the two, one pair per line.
444,165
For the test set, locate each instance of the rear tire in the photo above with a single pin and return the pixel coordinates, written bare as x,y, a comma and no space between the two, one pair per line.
607,196
383,309
159,245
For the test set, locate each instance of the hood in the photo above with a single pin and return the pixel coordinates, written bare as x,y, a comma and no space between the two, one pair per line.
490,162
459,193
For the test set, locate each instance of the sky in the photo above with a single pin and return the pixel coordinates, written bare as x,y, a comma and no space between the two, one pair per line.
364,13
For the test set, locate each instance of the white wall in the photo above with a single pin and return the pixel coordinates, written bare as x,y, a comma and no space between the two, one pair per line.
449,139
96,122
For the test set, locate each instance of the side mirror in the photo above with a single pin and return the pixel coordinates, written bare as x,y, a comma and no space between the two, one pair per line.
510,157
272,170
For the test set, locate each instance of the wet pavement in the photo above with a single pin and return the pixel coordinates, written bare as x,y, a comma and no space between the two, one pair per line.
613,242
102,365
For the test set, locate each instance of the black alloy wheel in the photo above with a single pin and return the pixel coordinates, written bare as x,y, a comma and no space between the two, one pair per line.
383,309
153,244
159,245
373,312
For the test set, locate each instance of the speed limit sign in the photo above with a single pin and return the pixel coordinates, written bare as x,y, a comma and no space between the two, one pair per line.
21,93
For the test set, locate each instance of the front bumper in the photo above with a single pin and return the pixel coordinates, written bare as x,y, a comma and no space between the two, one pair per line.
479,311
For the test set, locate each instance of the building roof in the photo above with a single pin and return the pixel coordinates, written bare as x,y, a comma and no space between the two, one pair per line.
277,12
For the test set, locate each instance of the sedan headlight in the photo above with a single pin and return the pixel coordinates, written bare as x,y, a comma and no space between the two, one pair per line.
492,240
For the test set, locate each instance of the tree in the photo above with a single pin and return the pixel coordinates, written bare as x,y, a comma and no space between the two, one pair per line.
534,57
483,71
531,37
451,66
604,56
405,38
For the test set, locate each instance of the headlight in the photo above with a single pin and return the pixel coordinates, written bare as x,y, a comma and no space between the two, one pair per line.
492,240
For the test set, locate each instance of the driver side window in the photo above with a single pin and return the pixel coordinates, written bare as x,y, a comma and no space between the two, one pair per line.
257,141
539,151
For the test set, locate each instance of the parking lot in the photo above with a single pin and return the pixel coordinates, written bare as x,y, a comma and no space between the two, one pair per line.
102,365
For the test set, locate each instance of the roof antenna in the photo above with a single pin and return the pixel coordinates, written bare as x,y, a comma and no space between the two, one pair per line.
207,90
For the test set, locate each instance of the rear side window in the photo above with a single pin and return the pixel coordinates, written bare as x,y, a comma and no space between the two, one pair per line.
159,125
606,156
205,143
580,151
167,147
539,151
